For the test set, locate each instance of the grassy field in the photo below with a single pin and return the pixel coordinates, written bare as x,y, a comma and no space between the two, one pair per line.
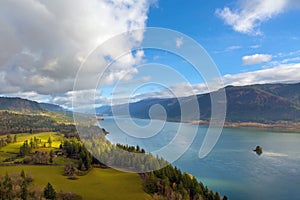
12,149
97,184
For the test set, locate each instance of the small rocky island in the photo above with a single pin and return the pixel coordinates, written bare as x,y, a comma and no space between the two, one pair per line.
258,150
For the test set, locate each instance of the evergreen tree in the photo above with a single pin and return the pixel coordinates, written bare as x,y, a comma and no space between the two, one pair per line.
15,138
23,174
51,157
24,149
24,190
217,196
49,192
150,184
31,143
50,141
9,138
7,187
2,142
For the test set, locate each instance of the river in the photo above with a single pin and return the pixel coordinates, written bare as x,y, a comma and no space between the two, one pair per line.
232,168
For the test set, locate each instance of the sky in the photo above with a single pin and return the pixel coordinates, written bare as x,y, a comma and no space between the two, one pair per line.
43,44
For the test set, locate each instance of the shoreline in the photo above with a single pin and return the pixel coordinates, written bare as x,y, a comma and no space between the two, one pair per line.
284,126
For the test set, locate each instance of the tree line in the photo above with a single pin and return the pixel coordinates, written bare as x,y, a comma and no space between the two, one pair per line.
21,186
21,123
9,139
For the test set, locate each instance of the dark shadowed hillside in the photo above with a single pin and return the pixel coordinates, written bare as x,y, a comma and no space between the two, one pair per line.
25,105
255,103
250,103
18,104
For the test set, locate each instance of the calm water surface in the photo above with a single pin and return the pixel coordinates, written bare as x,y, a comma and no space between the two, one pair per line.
231,168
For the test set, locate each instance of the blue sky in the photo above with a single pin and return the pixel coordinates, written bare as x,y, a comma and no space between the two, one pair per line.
269,41
45,43
198,19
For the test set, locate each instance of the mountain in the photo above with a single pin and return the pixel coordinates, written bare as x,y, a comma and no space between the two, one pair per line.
21,115
20,105
254,103
257,104
287,91
25,105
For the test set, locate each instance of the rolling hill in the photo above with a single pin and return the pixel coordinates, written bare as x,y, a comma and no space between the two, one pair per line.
20,105
265,103
24,105
21,115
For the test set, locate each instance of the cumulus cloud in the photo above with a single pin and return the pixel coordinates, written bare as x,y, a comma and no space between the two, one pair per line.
249,14
85,100
44,42
178,90
280,74
256,59
31,95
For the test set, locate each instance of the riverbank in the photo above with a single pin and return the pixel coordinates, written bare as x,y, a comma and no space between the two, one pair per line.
285,126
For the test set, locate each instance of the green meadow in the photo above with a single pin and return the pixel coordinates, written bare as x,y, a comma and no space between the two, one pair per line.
11,150
97,184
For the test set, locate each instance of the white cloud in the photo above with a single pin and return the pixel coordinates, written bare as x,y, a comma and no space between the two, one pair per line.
44,42
231,48
280,74
249,15
289,60
256,46
84,100
30,95
179,42
256,59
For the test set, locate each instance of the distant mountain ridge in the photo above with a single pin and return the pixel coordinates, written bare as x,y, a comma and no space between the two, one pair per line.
25,105
262,103
19,104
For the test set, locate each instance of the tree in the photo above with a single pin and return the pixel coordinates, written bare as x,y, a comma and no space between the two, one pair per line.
2,142
217,196
24,190
51,157
24,149
31,143
70,170
8,138
40,157
49,192
23,175
7,186
150,184
50,141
